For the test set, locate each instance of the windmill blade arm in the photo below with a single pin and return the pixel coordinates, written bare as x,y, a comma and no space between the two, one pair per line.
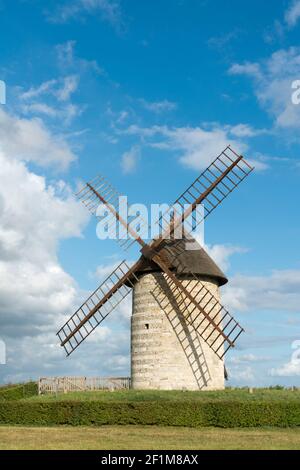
201,309
222,176
98,306
100,191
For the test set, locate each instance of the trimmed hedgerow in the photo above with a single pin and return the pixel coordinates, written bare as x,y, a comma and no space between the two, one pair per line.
194,414
17,392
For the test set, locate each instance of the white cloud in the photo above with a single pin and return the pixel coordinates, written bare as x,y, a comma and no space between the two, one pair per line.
244,130
278,291
273,80
200,146
158,106
65,114
109,10
290,369
61,88
70,85
248,68
40,108
221,254
245,358
36,295
35,291
130,159
59,106
65,53
30,140
35,92
197,147
104,270
67,60
104,353
292,14
242,375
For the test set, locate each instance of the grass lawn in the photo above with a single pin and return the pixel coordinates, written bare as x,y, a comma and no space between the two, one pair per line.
153,395
146,437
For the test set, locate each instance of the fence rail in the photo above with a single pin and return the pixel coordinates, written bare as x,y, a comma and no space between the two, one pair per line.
83,384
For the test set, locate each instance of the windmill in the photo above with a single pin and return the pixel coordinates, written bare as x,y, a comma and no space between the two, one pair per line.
180,331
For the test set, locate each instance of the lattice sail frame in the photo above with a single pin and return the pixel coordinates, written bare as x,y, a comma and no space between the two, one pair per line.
98,191
89,315
217,313
234,172
197,190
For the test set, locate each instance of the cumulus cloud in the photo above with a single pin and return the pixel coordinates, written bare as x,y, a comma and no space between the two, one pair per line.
197,146
279,290
30,140
273,79
104,353
291,368
292,14
36,293
221,254
130,159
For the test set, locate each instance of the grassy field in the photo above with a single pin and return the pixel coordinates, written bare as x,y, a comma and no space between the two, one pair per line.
116,412
146,437
156,395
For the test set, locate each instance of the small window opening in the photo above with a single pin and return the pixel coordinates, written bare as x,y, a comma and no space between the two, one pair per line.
147,326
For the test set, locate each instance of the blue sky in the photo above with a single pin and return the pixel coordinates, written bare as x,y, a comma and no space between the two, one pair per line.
147,95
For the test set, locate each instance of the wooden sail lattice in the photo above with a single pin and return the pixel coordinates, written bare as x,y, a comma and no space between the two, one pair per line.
197,304
97,307
222,176
100,191
218,329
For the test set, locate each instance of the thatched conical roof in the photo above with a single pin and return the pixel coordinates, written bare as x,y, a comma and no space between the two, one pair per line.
184,256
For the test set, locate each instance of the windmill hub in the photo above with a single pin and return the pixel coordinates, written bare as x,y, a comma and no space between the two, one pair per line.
148,252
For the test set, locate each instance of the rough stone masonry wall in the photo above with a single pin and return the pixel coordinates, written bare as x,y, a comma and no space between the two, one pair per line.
166,353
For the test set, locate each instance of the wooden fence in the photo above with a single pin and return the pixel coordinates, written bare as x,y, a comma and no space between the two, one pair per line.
83,384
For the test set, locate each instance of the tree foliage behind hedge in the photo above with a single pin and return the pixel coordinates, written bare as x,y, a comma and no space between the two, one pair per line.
189,413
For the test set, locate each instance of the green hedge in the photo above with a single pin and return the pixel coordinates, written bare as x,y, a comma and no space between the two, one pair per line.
222,414
17,392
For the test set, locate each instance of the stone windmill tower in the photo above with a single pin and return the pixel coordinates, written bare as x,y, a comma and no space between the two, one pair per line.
180,330
167,353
